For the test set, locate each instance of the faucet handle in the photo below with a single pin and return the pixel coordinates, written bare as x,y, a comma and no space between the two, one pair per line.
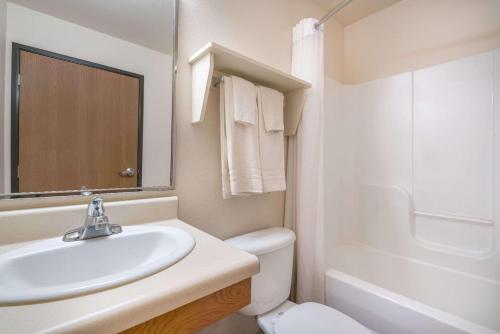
96,207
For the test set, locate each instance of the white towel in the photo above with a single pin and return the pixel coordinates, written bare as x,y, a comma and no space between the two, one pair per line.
272,151
272,107
240,159
226,188
245,101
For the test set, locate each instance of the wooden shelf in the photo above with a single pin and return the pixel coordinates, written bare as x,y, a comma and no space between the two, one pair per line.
213,58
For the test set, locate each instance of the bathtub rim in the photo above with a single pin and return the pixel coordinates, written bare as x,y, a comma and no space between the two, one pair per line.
406,302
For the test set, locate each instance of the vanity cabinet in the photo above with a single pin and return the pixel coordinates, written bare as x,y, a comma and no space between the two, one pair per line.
200,313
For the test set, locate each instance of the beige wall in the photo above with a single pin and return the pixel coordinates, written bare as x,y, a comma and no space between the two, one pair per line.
414,34
261,29
334,49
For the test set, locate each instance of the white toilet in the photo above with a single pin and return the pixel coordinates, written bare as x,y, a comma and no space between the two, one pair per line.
271,288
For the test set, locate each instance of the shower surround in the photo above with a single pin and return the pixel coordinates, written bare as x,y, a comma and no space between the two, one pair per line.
412,184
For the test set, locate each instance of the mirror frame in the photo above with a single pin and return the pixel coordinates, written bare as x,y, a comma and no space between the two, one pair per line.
86,192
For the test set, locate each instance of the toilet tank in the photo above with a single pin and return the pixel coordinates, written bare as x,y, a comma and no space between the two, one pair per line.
271,286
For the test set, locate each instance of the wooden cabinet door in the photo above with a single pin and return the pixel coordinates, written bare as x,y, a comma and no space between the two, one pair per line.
78,125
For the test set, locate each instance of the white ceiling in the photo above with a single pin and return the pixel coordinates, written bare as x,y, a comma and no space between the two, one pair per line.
145,22
356,10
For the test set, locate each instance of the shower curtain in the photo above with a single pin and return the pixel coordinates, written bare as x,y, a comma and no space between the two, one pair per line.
304,195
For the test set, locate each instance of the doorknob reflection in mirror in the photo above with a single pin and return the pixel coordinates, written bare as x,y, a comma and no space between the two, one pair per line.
85,191
129,172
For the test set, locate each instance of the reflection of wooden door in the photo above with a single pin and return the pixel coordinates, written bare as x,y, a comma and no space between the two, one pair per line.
78,125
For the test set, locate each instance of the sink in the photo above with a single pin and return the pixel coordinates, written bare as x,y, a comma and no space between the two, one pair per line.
52,269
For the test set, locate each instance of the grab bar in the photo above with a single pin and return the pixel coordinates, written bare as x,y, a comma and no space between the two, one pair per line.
454,218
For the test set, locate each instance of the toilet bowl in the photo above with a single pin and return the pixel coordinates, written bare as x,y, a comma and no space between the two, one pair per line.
271,289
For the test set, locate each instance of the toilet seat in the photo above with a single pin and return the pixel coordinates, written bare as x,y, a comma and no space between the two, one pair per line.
318,319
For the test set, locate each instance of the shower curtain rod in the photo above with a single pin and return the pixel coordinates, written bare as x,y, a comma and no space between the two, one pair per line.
332,12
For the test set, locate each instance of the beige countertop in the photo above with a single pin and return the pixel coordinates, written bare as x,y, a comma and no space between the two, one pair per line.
211,266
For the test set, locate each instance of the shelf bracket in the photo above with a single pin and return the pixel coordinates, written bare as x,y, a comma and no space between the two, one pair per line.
201,78
294,105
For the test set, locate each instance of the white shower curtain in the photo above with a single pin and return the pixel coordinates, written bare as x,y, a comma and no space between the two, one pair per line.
304,196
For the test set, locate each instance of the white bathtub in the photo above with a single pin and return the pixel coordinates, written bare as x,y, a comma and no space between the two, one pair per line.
396,295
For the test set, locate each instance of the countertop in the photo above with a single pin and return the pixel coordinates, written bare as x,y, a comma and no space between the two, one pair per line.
212,265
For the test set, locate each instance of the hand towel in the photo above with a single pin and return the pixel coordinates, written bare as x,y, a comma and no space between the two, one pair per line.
272,151
240,159
272,108
245,101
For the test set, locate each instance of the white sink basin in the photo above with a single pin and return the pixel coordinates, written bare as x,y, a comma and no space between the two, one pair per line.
53,269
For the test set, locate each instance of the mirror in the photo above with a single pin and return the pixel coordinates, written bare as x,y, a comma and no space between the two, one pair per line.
88,96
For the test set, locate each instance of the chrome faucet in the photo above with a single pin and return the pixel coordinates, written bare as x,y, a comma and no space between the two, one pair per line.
96,224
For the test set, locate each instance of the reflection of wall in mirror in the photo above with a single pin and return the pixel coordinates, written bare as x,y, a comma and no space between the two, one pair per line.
42,31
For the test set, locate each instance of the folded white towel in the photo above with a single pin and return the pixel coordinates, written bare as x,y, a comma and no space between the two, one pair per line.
245,101
240,159
272,151
271,104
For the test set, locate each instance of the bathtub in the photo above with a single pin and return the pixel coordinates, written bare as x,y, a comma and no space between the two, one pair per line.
396,295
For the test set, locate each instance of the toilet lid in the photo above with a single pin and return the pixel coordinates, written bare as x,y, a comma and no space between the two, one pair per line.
316,318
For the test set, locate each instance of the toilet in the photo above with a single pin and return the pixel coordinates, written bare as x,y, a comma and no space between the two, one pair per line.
271,289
